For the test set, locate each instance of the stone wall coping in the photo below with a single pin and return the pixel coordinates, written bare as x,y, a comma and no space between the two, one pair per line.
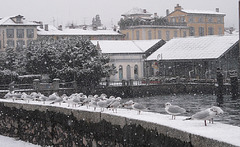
216,134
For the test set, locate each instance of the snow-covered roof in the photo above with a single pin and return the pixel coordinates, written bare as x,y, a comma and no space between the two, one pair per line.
207,47
136,11
125,46
9,21
202,12
54,31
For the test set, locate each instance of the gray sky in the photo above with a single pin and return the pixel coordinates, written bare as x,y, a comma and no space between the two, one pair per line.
80,12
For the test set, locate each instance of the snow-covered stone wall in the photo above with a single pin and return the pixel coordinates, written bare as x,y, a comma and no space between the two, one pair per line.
52,125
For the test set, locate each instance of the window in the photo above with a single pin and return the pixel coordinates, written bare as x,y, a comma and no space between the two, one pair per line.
128,72
219,20
200,19
175,33
120,71
30,33
167,35
20,33
18,19
190,19
149,34
201,31
159,34
10,43
136,72
220,32
20,43
173,19
210,31
10,33
210,19
137,34
182,19
192,31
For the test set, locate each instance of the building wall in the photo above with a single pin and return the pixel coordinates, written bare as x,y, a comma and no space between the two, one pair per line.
192,20
4,39
124,60
91,37
144,32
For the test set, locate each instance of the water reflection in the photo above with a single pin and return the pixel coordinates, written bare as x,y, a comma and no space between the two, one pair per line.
195,103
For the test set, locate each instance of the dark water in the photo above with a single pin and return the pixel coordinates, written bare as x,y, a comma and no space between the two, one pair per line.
193,104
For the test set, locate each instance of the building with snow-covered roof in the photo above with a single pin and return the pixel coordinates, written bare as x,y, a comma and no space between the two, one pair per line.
139,24
16,31
200,22
128,56
196,57
92,34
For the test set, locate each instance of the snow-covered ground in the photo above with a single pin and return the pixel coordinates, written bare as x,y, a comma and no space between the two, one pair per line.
11,142
217,131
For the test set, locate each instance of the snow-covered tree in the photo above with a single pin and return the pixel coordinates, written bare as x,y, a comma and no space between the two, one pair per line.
69,59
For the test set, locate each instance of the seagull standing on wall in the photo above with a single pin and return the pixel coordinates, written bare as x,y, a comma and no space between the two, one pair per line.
174,110
138,107
205,115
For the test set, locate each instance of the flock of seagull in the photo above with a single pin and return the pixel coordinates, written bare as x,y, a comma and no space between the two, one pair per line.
104,102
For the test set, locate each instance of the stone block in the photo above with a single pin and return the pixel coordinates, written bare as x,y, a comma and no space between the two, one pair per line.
92,117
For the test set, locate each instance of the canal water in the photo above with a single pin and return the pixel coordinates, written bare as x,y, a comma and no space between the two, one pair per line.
193,104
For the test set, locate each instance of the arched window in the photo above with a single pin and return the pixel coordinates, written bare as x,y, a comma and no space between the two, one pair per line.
120,71
128,72
136,72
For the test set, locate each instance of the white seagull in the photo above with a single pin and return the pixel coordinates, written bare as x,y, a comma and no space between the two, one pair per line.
205,115
174,110
139,107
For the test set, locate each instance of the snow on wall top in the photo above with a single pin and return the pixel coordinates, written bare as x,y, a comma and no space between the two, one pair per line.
202,12
9,21
125,46
207,47
54,31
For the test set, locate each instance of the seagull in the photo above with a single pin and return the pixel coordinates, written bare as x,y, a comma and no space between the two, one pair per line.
115,104
102,104
138,107
174,110
93,103
57,100
26,97
128,104
43,98
207,114
52,97
219,111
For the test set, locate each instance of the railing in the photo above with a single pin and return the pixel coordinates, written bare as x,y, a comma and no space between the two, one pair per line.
157,81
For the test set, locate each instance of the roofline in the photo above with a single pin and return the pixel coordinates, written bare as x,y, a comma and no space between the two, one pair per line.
183,60
19,25
80,34
235,44
194,13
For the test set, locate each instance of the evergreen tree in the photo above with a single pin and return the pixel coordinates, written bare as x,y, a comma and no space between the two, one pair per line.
69,59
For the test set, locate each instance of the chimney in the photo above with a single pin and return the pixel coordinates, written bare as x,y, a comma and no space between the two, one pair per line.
144,11
217,9
60,27
46,27
167,12
155,15
178,7
41,24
